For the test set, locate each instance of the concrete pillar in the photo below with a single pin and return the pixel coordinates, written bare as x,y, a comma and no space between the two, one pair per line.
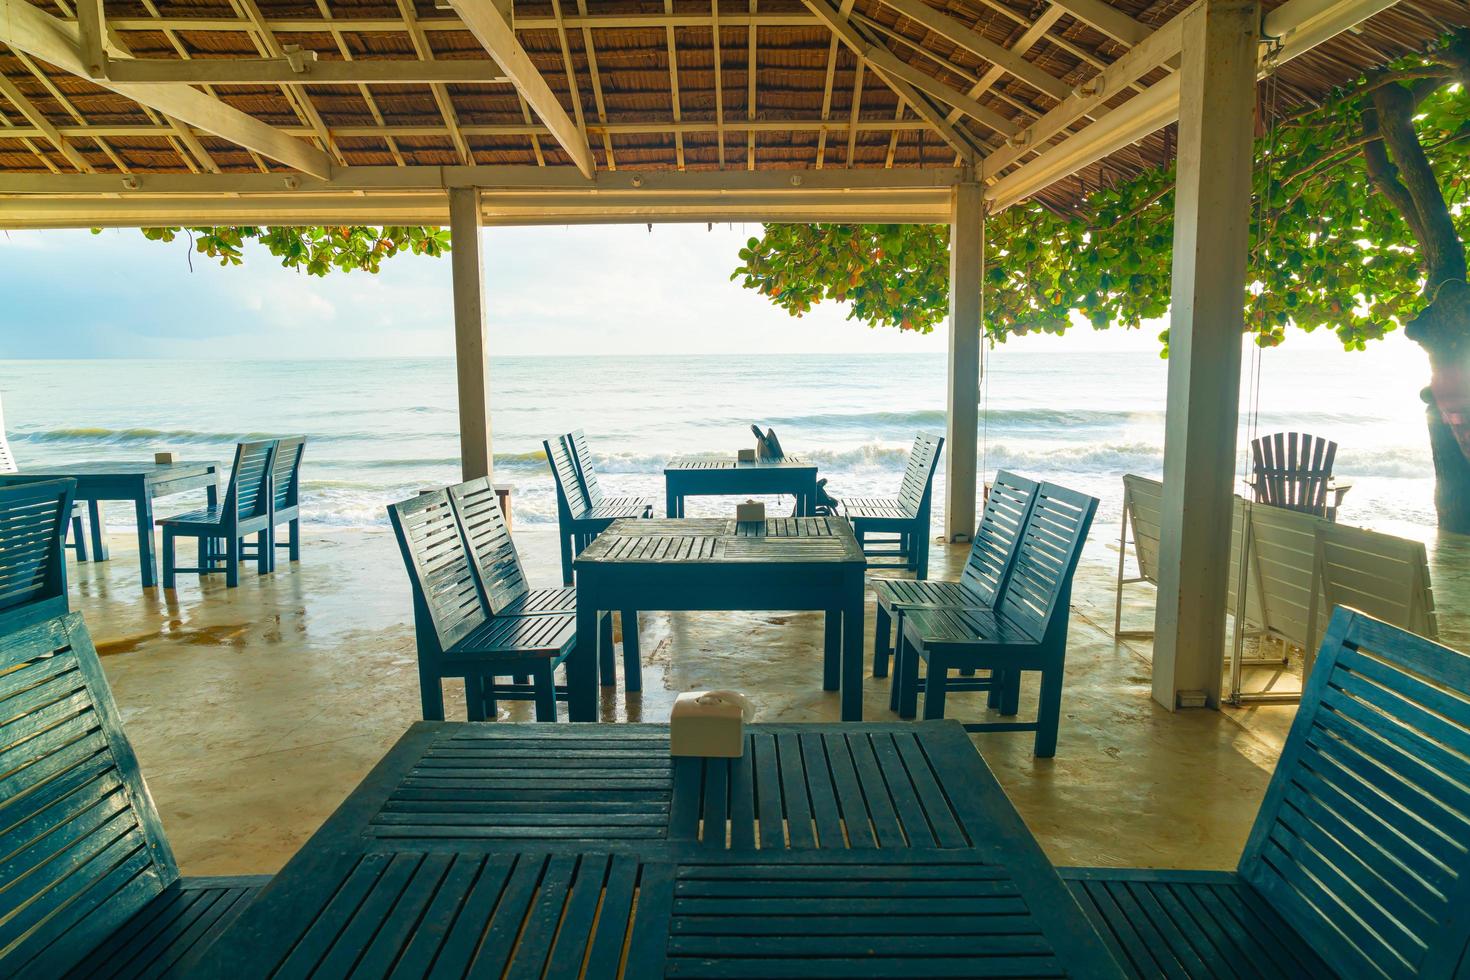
471,352
966,268
1212,205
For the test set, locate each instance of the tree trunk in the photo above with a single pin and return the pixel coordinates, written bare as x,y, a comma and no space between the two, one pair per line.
1443,330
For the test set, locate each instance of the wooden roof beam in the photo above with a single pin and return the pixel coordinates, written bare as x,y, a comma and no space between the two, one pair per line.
494,32
1108,19
33,116
27,28
901,77
308,71
984,48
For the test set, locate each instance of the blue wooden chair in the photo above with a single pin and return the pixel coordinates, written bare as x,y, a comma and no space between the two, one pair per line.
578,518
89,886
991,553
1358,864
456,634
222,530
1026,630
502,580
33,519
286,497
905,516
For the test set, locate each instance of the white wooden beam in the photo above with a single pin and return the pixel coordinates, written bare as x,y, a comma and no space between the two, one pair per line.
1155,50
947,27
1212,208
281,71
471,346
33,115
494,32
92,33
27,28
900,76
1108,19
523,22
966,274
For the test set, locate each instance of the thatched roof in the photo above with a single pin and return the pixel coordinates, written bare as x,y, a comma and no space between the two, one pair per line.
783,94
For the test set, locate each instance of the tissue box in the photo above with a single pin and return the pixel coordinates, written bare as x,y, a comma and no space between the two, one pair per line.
164,457
709,724
745,456
751,510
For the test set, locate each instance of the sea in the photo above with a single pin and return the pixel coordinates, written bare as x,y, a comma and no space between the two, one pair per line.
380,429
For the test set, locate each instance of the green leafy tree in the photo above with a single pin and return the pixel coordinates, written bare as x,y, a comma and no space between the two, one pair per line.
314,250
1362,209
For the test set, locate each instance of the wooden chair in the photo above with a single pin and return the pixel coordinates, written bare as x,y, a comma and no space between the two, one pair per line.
33,518
1357,865
8,465
456,634
1026,631
996,539
578,519
592,487
905,516
90,885
245,511
502,580
1294,470
286,497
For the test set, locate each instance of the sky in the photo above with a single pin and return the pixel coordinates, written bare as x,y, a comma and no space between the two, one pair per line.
575,290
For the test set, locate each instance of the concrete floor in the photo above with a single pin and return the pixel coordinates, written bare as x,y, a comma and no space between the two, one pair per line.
255,710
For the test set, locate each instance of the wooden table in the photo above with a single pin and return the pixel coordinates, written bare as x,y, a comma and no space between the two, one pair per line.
136,482
712,476
794,563
564,851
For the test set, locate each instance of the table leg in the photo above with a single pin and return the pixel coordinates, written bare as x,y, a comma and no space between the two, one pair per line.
671,499
831,649
582,663
852,652
99,531
146,557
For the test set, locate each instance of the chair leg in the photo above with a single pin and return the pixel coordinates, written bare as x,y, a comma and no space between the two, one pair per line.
168,557
1010,692
934,683
1049,712
545,691
566,557
233,547
78,537
607,663
265,551
882,633
921,551
632,663
293,540
908,679
431,693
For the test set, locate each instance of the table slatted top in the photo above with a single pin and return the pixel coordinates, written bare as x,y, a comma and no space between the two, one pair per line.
587,851
719,462
714,541
149,471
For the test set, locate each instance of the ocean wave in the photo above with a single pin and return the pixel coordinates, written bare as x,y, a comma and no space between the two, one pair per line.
125,436
1025,418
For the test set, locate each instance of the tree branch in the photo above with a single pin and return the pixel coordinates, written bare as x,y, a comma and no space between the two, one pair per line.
1385,175
1444,253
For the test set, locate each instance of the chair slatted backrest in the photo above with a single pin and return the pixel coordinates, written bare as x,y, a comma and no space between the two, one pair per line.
83,848
999,534
918,475
569,493
492,552
1385,576
447,604
1293,470
1362,844
34,516
1040,578
286,471
7,458
249,493
586,472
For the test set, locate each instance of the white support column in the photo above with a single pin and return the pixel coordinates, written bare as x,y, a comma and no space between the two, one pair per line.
966,269
1211,236
471,352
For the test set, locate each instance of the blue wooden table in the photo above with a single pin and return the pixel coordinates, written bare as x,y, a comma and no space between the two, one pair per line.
797,563
713,476
138,483
572,851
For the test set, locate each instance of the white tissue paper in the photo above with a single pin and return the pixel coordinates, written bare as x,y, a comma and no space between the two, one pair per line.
710,724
